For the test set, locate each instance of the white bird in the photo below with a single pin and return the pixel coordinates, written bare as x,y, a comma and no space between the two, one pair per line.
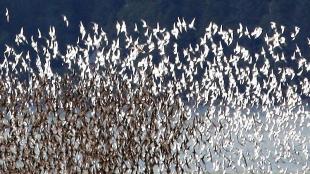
65,19
82,30
192,25
273,25
184,24
144,25
179,24
136,28
118,28
247,33
295,33
20,38
39,34
175,31
95,27
123,28
257,32
282,29
8,50
7,15
240,30
52,32
21,32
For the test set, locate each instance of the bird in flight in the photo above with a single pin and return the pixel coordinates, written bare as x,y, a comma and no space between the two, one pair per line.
65,19
191,25
7,15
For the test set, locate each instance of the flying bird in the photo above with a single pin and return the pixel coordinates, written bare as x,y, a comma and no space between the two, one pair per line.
7,15
65,19
192,24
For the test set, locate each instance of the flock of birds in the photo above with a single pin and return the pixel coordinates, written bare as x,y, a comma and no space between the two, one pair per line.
143,102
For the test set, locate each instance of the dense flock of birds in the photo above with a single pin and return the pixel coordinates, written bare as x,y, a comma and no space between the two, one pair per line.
144,102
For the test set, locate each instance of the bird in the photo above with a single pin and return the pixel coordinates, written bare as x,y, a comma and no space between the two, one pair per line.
82,30
7,15
192,24
240,30
136,28
65,19
118,28
257,32
295,33
39,34
144,25
175,31
123,27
